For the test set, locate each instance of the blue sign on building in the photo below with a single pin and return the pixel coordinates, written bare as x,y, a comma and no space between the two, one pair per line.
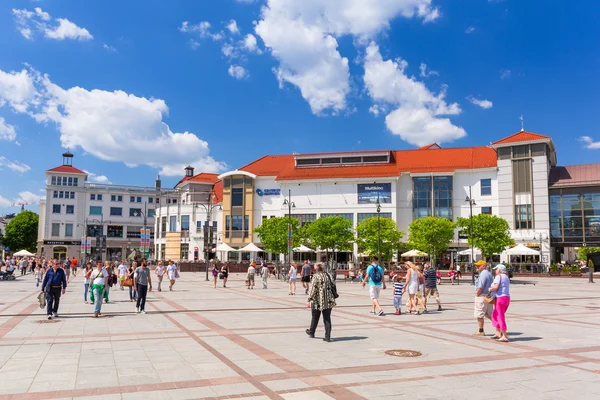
368,193
268,192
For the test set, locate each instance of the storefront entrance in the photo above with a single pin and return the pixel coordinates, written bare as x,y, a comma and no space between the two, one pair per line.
59,253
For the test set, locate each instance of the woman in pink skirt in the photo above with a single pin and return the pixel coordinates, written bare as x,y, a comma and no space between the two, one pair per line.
501,287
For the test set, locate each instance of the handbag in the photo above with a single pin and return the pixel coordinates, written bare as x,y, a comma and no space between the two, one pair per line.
333,287
221,275
127,282
490,299
176,274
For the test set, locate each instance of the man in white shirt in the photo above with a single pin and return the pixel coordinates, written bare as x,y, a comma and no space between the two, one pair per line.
122,273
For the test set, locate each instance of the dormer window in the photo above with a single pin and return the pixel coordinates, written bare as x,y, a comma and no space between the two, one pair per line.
336,159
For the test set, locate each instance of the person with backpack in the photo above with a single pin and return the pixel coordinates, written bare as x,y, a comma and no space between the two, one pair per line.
376,281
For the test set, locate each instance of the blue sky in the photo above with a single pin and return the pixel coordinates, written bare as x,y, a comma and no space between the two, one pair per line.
138,88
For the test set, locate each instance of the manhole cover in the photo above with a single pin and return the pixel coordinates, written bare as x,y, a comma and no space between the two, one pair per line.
403,353
47,321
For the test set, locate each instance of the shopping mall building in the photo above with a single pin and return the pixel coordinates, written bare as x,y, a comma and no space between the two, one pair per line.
555,209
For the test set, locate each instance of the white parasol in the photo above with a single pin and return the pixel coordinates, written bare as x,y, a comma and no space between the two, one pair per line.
303,249
23,253
522,250
413,253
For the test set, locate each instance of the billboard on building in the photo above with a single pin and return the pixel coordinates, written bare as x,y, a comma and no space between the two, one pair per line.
368,193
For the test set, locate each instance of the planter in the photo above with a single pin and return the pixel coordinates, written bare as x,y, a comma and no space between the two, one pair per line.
576,274
554,273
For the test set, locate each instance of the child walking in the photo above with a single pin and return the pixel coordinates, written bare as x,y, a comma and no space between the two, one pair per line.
398,292
38,275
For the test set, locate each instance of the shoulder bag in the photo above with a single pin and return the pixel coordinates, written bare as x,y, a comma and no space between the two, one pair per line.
332,286
491,298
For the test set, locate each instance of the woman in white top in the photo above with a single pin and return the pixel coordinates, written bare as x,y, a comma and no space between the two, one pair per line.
292,275
172,272
160,272
412,282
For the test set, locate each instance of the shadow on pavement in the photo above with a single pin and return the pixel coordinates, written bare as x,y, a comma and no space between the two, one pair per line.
348,338
524,339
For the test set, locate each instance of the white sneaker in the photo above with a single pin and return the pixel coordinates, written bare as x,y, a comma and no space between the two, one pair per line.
143,311
137,310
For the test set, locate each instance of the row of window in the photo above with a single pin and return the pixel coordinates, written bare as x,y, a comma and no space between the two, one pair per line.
118,212
69,209
59,194
64,181
56,230
116,231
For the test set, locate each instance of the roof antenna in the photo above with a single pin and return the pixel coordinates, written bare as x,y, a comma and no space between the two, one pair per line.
522,123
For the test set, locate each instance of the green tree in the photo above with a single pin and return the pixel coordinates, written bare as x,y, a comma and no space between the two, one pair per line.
21,232
584,251
331,234
273,234
367,237
491,234
431,235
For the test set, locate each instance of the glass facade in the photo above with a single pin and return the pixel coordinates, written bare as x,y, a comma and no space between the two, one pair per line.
304,219
348,216
575,217
432,196
362,216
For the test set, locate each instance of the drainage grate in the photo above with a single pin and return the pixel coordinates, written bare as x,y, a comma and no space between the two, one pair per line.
403,353
47,321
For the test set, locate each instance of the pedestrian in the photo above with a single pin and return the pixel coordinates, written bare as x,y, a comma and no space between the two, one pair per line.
321,300
23,264
215,275
250,276
265,274
398,292
34,263
292,275
142,282
38,275
74,264
482,285
421,291
412,283
67,267
224,274
160,273
501,287
374,277
130,275
458,273
122,268
109,280
173,274
99,279
86,281
306,268
54,284
431,289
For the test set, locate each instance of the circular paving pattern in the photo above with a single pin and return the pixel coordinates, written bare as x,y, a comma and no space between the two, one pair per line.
403,353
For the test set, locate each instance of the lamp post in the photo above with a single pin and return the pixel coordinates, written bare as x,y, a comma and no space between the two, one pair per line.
541,236
290,205
102,222
209,208
144,214
471,202
378,229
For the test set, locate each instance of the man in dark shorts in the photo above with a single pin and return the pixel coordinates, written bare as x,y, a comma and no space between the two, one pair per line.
306,268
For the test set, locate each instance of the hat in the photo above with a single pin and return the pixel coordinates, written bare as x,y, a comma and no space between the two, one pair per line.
480,262
501,267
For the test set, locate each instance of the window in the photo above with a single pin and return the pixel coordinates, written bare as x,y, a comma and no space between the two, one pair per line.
150,200
150,213
94,230
61,194
185,222
523,219
421,197
55,194
135,212
114,231
72,195
53,180
99,197
432,196
92,196
132,199
363,216
349,217
64,181
486,210
55,208
522,176
139,199
173,223
246,225
75,181
163,224
198,226
116,211
70,181
116,198
70,209
185,250
237,197
55,229
486,187
303,219
68,230
94,210
442,194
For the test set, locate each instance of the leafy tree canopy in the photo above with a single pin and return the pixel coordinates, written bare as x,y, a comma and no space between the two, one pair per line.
21,232
430,235
330,234
491,234
273,234
584,251
390,236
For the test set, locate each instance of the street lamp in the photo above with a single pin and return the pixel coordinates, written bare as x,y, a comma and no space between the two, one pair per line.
101,222
144,214
378,229
290,205
472,203
541,236
209,208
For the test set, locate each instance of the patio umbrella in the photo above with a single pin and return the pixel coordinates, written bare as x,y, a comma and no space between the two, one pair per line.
23,253
467,252
224,248
522,250
413,253
252,248
303,249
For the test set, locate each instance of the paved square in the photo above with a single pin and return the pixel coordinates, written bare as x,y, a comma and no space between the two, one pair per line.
198,342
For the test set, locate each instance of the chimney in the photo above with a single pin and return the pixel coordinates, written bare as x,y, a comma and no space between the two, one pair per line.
189,171
157,182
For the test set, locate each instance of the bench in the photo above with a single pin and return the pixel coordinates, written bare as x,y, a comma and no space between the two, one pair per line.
447,278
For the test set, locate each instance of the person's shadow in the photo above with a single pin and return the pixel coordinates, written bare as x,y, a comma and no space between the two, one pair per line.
348,338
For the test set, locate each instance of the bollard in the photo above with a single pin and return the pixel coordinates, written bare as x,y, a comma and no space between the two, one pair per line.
591,280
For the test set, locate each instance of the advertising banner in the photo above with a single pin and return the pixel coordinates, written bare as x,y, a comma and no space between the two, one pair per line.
368,193
83,245
88,245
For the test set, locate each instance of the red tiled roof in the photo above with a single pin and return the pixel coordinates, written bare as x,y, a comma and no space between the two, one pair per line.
202,177
218,191
69,169
522,137
415,161
431,147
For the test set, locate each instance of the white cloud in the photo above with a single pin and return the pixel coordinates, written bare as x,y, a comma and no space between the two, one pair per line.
229,50
7,131
16,90
28,197
202,29
417,118
505,73
470,30
250,44
92,177
108,47
425,73
194,44
111,125
481,103
39,20
237,72
232,27
302,36
589,143
14,165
